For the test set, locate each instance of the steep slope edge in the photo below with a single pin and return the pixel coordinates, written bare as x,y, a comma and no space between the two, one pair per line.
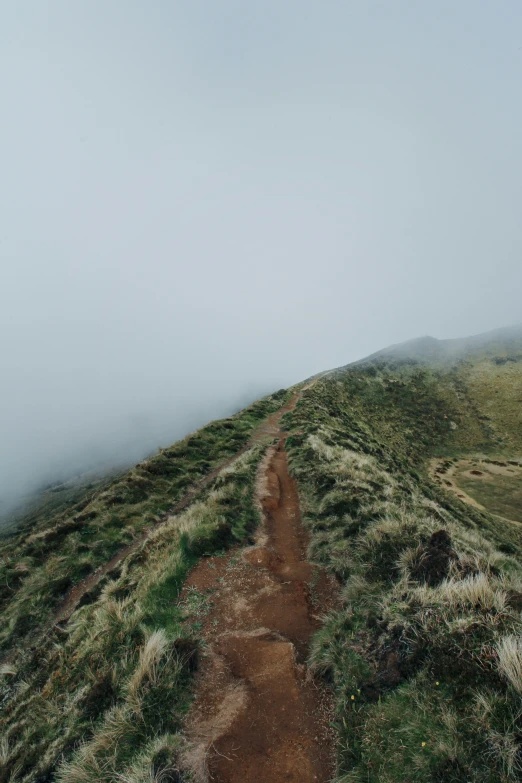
91,700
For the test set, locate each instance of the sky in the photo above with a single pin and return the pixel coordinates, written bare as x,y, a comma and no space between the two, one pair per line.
202,202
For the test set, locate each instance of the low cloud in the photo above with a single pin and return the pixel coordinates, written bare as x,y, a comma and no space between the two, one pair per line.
201,205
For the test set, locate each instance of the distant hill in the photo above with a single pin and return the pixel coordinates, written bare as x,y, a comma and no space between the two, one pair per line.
479,377
501,344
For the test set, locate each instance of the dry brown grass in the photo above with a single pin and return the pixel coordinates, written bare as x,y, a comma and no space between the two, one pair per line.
509,651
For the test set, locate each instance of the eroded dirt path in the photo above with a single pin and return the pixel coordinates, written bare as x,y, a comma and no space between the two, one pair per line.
258,715
267,429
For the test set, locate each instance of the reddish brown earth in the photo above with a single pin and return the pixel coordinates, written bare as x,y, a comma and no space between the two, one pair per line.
268,428
258,715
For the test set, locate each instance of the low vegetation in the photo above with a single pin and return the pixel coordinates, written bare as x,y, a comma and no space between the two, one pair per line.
103,698
423,651
39,565
496,389
500,493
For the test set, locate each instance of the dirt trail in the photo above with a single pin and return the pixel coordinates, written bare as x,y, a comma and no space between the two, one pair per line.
267,429
258,715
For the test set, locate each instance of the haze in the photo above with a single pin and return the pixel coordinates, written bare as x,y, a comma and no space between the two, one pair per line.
203,202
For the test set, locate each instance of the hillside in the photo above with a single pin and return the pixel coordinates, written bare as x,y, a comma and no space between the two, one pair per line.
478,379
501,344
326,585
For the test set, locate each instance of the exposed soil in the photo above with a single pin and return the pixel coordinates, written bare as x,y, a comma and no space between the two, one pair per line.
258,715
267,429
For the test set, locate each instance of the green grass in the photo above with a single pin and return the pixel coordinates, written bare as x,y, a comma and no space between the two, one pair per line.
422,650
430,588
104,700
40,563
497,392
467,407
106,696
501,495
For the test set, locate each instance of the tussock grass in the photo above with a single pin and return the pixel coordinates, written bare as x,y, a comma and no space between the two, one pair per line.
150,656
424,653
478,591
53,550
103,700
509,652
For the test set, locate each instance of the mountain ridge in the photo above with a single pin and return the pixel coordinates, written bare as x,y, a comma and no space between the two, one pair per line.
498,342
391,486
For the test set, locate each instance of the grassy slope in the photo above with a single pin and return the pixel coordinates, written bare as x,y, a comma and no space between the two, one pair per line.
497,390
423,651
106,697
499,494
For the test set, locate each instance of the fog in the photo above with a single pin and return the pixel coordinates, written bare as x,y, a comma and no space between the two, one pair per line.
203,202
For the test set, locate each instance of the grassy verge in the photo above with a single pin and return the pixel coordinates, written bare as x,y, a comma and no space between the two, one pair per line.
424,651
103,701
39,565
